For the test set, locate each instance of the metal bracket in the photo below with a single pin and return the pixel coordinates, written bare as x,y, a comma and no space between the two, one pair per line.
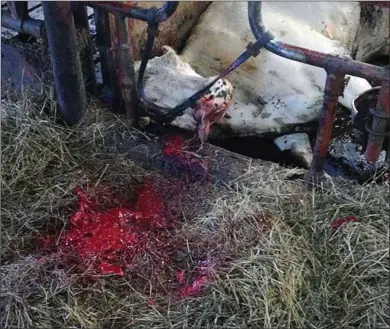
252,49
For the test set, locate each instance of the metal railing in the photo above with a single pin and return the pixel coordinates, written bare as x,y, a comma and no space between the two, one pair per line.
336,68
62,18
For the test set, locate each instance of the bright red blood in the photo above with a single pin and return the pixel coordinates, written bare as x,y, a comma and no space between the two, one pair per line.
196,287
151,302
114,238
107,268
122,239
173,146
201,280
341,221
151,206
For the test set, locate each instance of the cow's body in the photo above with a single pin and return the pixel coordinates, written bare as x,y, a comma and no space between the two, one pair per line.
271,93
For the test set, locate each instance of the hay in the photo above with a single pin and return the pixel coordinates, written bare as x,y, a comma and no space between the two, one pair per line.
279,263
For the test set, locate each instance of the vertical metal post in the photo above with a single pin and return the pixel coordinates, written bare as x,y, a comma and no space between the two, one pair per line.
18,9
104,46
125,69
333,89
380,124
62,40
85,45
19,12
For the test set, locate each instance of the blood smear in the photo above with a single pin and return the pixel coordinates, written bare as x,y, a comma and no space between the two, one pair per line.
336,224
195,288
173,146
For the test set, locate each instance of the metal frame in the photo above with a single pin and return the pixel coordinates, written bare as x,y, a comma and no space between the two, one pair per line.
63,49
62,18
19,20
336,68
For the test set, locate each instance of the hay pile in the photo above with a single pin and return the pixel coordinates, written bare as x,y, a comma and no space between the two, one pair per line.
283,266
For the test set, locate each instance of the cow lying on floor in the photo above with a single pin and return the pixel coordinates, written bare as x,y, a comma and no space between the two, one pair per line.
271,93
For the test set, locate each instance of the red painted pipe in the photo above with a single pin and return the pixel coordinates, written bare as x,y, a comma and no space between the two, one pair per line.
333,89
380,124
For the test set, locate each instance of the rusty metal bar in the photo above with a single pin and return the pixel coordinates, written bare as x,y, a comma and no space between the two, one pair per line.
380,124
120,8
62,40
125,69
104,46
85,45
307,56
131,11
332,64
333,89
103,42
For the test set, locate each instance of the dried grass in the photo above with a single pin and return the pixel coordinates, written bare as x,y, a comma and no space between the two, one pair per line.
282,265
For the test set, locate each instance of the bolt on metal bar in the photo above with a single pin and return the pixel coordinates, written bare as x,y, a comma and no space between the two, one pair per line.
62,40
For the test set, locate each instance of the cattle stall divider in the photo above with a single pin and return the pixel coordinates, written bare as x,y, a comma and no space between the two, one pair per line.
75,76
336,68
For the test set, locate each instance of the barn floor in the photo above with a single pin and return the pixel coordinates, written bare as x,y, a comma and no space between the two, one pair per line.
276,254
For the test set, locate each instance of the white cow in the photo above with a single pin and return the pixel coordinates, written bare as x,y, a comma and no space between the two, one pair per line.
271,93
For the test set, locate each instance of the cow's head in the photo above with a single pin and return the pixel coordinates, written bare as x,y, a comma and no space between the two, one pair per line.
168,82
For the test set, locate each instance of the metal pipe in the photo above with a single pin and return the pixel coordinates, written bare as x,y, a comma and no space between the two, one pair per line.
103,44
307,56
120,8
85,45
125,69
330,63
62,40
380,124
18,9
333,89
139,13
29,26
